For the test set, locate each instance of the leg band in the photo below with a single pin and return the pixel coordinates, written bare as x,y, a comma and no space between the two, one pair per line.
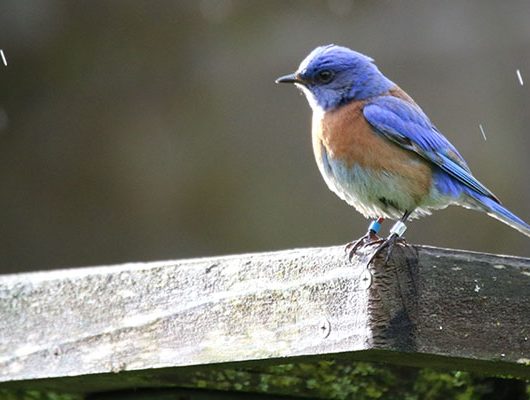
375,226
398,229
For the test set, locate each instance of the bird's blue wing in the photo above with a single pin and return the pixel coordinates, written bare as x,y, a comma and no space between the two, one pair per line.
405,124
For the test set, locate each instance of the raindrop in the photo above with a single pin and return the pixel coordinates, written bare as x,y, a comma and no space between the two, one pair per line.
482,131
520,77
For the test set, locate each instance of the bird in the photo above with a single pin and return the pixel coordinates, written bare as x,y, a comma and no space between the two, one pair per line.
379,152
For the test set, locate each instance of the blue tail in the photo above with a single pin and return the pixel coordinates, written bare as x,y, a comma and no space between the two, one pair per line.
496,210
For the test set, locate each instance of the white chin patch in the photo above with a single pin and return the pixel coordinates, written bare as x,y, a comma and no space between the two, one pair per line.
310,97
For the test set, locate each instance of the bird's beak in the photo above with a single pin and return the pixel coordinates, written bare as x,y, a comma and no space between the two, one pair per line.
291,78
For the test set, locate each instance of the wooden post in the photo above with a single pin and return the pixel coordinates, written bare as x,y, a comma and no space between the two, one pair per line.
158,323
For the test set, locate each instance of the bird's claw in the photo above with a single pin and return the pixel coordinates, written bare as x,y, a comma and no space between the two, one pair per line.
369,239
389,243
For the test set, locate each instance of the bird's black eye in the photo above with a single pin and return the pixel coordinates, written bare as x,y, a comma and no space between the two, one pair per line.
325,76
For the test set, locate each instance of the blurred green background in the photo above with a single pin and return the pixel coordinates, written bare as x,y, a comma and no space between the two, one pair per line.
137,130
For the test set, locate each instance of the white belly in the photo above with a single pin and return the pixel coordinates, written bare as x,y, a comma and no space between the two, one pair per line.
374,194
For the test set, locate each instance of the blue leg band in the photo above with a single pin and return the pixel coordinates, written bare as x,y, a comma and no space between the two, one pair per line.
375,226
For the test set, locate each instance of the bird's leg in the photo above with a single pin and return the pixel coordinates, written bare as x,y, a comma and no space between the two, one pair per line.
369,238
396,233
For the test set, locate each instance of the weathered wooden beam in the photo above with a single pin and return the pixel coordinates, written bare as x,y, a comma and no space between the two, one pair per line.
164,320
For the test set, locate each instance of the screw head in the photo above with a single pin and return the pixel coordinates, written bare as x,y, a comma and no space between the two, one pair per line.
365,279
325,328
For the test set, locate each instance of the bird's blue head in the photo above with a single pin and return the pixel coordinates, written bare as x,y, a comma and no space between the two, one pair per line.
331,76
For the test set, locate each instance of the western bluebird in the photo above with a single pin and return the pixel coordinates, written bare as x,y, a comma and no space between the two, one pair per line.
378,151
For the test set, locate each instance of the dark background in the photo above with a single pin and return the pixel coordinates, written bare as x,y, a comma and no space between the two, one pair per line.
138,130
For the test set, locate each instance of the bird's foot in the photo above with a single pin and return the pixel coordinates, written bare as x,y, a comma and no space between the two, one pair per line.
370,238
389,243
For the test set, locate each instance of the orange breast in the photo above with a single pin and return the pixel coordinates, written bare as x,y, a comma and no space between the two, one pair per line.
347,137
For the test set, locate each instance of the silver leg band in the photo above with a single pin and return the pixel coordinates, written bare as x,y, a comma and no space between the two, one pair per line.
398,229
